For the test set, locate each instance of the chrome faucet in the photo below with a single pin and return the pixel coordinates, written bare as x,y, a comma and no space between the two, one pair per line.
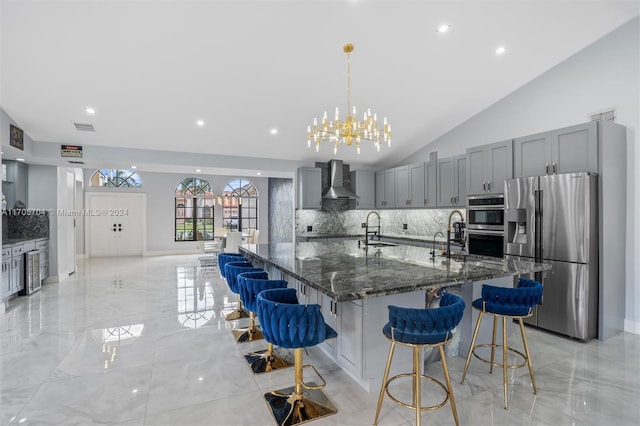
366,227
449,231
433,250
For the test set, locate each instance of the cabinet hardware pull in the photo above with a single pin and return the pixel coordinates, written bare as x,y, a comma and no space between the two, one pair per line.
554,168
488,186
547,168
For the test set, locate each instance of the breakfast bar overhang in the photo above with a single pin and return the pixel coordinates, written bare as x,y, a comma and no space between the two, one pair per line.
354,284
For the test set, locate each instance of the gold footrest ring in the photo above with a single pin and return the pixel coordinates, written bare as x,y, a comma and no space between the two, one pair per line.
411,406
495,364
237,314
245,335
265,361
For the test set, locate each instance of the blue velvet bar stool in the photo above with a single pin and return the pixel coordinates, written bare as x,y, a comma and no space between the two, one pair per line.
287,324
250,284
232,270
223,259
508,303
421,328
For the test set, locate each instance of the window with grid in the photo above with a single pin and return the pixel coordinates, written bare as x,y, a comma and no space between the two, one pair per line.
240,205
194,210
115,178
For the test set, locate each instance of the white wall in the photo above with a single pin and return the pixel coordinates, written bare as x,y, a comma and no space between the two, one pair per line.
605,74
160,189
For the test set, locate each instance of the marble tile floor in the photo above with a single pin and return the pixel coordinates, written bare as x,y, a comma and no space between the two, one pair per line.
142,341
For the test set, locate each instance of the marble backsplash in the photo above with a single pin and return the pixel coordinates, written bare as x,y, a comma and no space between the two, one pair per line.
420,222
19,224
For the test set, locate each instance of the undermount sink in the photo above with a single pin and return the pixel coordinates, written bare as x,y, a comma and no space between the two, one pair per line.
381,244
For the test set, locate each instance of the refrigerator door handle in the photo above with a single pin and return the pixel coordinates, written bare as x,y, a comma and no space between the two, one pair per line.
538,224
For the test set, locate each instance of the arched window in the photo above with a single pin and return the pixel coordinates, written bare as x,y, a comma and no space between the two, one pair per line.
116,178
240,205
194,210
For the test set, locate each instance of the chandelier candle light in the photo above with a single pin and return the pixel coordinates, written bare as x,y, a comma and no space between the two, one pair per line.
349,131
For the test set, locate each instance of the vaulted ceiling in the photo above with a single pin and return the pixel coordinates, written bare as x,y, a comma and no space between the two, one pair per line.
151,69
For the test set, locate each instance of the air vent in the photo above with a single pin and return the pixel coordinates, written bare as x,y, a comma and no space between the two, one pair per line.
76,162
606,115
84,127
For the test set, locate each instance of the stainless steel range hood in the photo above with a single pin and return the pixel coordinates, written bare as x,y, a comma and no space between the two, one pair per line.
336,190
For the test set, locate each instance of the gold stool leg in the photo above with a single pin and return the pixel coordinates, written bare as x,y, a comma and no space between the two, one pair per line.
299,403
417,394
504,361
472,346
448,381
384,381
250,334
266,360
526,351
493,343
238,313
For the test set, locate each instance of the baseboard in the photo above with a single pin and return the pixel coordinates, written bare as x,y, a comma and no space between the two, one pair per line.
631,326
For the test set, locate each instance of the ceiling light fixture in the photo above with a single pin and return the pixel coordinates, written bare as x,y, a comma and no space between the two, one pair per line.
500,50
349,131
134,167
274,131
19,159
200,123
443,28
90,111
198,170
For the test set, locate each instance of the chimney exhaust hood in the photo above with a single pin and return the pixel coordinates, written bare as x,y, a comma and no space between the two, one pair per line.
336,190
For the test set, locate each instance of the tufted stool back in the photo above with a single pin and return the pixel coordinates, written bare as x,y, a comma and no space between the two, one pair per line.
514,301
233,269
224,258
425,326
287,324
251,284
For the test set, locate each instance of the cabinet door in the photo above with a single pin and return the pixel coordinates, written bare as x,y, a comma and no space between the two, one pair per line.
575,149
499,165
532,155
476,180
430,184
350,337
6,278
328,309
309,188
416,185
390,187
460,188
380,186
446,181
363,184
402,187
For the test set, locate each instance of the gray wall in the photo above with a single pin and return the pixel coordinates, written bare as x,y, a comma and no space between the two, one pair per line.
43,194
160,189
605,74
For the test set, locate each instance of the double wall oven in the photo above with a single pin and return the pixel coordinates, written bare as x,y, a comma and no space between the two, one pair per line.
485,225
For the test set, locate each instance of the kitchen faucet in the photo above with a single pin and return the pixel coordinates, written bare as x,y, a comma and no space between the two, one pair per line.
449,231
433,250
366,227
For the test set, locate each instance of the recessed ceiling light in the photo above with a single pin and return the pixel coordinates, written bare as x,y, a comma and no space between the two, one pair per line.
200,123
19,159
198,170
90,110
134,167
274,131
500,50
259,173
443,28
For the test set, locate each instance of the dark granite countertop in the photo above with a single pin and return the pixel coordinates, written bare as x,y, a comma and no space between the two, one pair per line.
10,241
345,272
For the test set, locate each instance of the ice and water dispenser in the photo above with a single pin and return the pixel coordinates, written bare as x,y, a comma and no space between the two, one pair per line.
516,226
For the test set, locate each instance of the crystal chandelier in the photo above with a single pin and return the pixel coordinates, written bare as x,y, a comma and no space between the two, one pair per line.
349,131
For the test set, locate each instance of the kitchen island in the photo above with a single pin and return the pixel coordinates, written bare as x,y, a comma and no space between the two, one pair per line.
354,284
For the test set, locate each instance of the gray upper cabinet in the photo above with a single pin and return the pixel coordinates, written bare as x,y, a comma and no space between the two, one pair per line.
488,166
571,149
386,189
363,185
430,184
309,188
410,186
452,181
15,187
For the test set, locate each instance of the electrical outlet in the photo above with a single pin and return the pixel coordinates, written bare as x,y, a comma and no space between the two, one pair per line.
404,226
309,228
363,225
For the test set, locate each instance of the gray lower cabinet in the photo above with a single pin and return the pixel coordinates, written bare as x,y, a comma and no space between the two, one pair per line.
43,246
17,268
6,272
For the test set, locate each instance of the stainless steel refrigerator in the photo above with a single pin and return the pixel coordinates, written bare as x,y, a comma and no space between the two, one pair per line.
553,219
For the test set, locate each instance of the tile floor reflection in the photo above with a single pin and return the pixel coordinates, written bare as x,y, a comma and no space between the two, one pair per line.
143,341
